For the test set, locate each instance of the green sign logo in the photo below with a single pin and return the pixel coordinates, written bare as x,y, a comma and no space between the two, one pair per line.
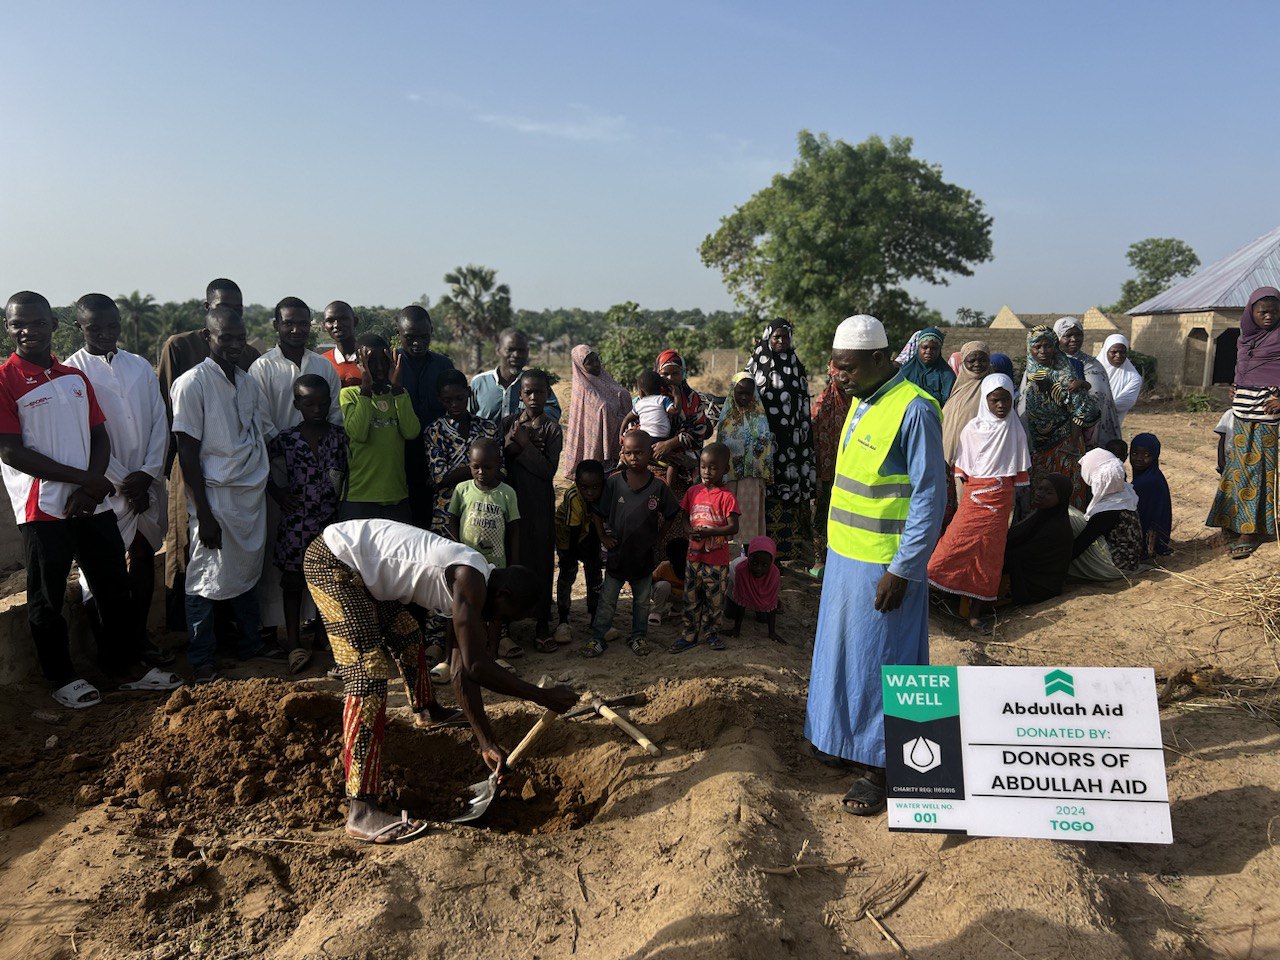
1059,681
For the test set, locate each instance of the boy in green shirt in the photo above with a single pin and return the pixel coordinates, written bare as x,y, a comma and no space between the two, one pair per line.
379,420
483,512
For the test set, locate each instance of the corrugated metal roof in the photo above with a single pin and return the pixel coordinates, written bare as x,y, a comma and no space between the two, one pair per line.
1226,283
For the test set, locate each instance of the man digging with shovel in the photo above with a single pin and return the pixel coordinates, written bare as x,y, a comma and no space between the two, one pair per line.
362,575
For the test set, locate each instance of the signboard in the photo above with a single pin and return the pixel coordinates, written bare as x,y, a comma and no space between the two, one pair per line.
1064,753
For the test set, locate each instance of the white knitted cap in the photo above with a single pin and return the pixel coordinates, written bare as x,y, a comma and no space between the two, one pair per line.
860,332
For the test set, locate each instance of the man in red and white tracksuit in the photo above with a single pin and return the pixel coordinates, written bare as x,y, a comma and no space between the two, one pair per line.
54,452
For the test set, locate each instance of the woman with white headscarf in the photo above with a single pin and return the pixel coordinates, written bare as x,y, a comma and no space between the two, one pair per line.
1126,381
1112,514
1070,333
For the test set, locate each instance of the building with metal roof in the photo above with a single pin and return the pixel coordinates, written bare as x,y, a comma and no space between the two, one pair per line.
1191,328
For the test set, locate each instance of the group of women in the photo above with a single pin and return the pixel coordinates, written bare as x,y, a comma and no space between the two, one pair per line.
1056,437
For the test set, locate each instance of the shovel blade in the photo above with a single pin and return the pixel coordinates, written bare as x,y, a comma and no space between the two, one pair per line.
481,795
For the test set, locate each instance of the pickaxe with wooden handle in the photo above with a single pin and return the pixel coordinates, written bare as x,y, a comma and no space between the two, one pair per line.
602,708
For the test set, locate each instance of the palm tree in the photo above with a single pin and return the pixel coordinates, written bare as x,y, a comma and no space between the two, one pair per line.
478,307
137,311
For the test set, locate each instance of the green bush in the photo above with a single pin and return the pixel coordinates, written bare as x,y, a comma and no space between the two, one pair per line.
632,342
1146,365
1197,402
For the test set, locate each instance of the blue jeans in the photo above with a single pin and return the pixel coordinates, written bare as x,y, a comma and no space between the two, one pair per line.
203,649
641,590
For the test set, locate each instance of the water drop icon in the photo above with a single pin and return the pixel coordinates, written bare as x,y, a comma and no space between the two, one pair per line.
921,754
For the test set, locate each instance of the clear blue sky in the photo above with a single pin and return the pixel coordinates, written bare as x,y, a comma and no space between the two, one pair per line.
360,150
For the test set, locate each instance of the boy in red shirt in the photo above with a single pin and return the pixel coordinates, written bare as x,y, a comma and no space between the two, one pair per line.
713,519
55,451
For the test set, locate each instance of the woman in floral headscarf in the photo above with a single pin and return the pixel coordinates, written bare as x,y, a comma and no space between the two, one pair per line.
783,389
1058,407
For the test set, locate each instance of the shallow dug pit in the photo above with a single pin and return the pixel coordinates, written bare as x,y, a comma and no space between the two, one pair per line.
216,754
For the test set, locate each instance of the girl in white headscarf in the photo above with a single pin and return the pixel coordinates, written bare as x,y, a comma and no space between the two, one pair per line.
993,459
1126,381
1112,514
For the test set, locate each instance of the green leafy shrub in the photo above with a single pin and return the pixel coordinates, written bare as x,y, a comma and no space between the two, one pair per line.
1146,365
1197,402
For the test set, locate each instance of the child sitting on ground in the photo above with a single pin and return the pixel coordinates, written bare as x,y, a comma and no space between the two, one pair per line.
631,518
483,512
314,456
713,519
753,585
1155,506
651,411
668,580
576,542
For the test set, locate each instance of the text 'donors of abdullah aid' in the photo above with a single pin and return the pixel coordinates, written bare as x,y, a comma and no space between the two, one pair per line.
1068,753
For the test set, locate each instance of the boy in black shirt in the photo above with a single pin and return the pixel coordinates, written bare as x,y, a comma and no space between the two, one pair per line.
631,518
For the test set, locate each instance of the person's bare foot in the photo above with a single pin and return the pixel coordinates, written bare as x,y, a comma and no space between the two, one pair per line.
434,713
366,822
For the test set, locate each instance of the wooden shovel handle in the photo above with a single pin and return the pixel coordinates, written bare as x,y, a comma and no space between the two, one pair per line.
630,729
543,722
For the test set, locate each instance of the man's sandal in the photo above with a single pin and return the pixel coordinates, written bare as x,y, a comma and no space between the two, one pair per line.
78,695
865,798
404,822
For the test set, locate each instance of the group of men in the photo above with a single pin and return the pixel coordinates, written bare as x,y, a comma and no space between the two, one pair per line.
87,446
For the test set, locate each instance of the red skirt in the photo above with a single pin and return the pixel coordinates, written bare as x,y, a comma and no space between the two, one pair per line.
970,556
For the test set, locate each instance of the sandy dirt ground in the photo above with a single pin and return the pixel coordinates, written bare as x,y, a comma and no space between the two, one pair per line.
207,824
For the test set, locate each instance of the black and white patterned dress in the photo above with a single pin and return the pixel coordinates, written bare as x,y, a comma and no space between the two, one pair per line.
783,389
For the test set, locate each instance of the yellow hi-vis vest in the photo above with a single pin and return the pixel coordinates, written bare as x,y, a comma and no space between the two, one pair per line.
869,509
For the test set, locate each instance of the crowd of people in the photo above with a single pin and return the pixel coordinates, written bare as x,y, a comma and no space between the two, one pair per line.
376,499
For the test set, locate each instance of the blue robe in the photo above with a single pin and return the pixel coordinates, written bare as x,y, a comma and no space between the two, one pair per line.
853,640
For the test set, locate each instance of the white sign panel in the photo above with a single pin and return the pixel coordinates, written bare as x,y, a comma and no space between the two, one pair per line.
1067,753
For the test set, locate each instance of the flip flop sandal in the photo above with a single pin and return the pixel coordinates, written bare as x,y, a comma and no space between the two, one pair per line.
546,645
155,681
299,660
680,646
716,644
78,695
864,799
400,824
592,650
639,646
448,718
1243,551
984,626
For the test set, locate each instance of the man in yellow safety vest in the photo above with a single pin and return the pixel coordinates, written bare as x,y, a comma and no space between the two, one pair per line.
887,504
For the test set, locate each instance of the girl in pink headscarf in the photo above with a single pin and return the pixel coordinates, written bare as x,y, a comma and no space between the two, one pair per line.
754,582
595,414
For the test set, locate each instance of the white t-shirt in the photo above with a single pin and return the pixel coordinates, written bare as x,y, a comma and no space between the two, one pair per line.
655,418
399,562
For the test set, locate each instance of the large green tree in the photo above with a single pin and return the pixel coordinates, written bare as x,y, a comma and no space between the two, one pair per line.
138,314
842,232
1158,261
477,306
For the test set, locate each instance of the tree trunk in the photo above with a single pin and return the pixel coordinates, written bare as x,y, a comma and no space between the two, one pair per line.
477,355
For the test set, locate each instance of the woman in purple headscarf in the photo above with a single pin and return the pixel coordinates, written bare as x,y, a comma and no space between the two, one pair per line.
1245,505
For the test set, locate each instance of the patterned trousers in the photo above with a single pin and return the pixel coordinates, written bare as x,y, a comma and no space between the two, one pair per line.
704,586
369,639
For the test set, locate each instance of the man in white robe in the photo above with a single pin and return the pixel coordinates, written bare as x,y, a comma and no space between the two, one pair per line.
275,372
223,453
129,394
